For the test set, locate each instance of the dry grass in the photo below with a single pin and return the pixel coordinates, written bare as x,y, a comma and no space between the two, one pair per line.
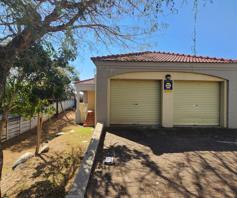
51,174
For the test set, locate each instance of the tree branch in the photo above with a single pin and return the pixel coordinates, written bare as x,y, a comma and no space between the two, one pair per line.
81,7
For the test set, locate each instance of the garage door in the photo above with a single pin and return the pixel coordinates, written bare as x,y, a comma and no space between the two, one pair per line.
196,103
135,102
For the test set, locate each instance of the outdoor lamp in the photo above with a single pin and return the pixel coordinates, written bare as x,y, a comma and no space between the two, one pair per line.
167,76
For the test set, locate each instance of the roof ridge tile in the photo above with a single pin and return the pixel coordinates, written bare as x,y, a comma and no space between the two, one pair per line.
119,55
159,56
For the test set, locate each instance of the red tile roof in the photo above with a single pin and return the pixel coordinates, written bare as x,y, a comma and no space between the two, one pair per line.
162,57
87,81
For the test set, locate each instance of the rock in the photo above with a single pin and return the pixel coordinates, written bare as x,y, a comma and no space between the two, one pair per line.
60,133
22,159
44,149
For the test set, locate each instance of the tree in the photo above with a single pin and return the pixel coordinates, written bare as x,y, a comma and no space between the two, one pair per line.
32,106
18,86
14,91
22,23
36,78
59,84
11,93
61,74
46,77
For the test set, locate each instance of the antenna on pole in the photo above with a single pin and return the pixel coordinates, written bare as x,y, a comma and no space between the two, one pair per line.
195,15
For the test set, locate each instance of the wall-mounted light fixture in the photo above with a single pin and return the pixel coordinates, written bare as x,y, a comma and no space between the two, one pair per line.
168,77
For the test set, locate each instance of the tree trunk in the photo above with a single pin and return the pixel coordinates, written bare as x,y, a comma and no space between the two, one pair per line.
1,157
62,106
38,136
3,123
57,107
4,71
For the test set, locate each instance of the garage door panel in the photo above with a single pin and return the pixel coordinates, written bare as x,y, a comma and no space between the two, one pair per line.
135,102
196,103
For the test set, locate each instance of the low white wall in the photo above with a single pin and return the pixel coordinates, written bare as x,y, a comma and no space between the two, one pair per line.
81,112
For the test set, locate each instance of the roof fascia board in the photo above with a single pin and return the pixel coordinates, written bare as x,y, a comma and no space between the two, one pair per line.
166,65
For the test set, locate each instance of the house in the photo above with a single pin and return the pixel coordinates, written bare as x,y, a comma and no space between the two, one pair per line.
86,103
162,89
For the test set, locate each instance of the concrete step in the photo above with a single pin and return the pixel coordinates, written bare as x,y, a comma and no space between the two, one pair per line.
90,119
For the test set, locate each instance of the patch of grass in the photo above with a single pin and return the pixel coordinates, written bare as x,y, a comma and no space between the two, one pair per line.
77,134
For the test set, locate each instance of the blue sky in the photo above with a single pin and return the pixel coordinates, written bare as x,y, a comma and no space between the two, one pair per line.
216,35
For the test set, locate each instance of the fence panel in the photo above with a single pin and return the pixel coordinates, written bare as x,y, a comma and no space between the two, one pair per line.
17,125
33,122
25,125
14,127
4,134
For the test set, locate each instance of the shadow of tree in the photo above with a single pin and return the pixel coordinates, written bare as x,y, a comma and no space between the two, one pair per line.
43,189
105,181
55,171
183,165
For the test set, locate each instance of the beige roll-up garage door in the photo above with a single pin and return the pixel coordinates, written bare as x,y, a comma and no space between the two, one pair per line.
135,102
196,103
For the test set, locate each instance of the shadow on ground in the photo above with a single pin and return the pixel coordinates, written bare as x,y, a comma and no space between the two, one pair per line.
179,162
52,175
175,140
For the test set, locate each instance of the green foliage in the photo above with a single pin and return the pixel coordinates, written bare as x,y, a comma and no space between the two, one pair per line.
69,46
39,76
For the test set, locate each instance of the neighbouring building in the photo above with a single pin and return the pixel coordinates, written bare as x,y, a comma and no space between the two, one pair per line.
85,102
161,89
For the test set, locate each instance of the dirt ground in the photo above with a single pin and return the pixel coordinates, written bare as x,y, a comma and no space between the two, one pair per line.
51,174
181,162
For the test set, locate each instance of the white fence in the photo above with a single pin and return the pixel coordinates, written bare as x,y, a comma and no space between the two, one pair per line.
19,125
